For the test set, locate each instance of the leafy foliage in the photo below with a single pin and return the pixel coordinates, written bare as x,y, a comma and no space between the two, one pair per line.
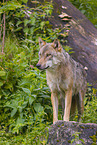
90,109
23,89
88,8
25,105
24,96
77,139
36,133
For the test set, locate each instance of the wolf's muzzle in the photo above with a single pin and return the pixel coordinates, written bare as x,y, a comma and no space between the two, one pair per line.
40,67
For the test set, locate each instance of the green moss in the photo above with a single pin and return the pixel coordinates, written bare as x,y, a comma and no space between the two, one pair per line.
94,138
69,141
82,127
57,140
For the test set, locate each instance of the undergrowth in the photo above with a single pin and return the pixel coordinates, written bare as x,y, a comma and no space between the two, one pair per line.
25,104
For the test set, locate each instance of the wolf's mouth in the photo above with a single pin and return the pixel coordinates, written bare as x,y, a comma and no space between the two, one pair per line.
47,67
40,67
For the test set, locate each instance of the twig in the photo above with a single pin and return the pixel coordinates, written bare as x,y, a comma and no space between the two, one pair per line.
3,33
1,28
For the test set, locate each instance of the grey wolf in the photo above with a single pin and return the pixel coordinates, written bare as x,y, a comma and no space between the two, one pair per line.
65,77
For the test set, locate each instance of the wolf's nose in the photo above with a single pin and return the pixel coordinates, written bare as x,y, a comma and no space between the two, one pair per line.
38,65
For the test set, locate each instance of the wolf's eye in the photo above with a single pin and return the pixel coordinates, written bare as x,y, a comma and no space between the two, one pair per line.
48,55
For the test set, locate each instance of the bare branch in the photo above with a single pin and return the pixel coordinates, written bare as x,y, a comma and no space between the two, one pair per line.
1,28
3,33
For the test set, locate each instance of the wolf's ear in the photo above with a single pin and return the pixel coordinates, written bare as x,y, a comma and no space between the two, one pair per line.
57,46
41,42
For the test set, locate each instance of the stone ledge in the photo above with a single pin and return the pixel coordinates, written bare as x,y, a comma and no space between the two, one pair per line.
62,132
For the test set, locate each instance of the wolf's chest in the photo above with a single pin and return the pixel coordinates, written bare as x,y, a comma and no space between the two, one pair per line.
55,81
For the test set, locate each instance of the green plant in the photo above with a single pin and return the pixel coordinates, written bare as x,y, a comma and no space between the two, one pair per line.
88,8
25,104
21,86
36,134
90,108
24,92
76,139
94,139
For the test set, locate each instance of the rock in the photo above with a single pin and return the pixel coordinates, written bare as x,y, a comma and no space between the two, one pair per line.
82,36
67,133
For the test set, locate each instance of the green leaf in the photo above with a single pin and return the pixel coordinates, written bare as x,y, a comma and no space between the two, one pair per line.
24,104
31,100
45,96
20,121
9,85
1,83
19,28
42,24
13,112
25,1
38,107
47,22
82,140
48,107
26,30
72,141
33,20
26,22
83,11
2,73
27,91
18,23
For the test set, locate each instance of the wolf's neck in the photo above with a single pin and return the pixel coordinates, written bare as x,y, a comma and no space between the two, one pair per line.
54,68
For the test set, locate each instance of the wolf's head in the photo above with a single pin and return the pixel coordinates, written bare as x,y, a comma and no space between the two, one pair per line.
48,54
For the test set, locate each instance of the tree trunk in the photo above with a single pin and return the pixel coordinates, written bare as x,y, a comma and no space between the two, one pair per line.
82,36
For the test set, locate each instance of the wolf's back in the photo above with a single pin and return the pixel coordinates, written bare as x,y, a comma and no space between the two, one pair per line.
79,75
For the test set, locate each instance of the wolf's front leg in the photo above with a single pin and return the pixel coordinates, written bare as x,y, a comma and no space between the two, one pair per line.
54,99
68,100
